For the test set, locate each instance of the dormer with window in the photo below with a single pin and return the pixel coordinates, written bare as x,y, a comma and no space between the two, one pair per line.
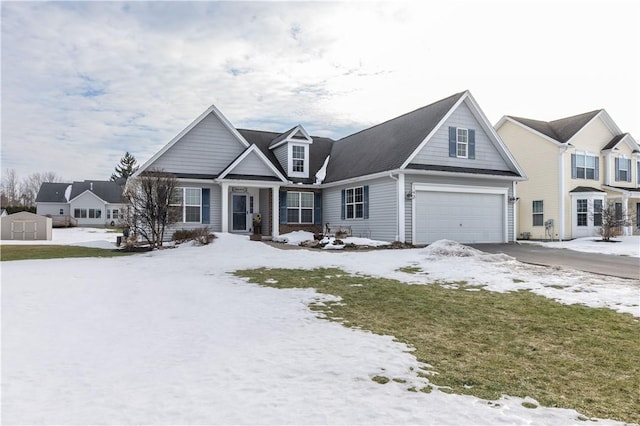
292,151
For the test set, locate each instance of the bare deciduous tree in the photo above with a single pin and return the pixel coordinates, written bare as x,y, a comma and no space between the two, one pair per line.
31,185
150,212
10,188
613,219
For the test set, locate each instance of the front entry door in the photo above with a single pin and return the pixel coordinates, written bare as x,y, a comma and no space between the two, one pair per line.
239,213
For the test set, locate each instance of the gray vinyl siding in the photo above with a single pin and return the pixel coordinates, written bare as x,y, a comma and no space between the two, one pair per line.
381,225
436,151
206,149
53,209
445,180
254,166
215,211
281,154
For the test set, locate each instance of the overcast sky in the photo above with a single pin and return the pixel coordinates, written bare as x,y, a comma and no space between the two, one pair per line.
83,82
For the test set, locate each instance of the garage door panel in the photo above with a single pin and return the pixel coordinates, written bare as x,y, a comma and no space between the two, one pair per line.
459,216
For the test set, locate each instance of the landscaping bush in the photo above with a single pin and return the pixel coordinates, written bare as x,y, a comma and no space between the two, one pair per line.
201,236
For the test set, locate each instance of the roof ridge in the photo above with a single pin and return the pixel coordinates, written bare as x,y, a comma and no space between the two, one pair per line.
403,115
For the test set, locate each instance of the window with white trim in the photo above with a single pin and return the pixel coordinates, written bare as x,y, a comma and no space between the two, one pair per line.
582,212
585,166
538,212
300,207
80,213
95,213
354,203
623,169
597,212
297,158
187,204
462,142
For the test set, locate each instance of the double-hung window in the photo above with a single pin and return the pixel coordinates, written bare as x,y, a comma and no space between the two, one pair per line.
462,142
623,169
297,158
597,212
354,202
300,207
538,213
582,211
585,167
186,204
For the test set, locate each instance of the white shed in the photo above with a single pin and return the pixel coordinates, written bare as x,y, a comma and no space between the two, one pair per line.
25,226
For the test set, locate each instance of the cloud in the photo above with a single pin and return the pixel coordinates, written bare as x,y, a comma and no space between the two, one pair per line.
83,82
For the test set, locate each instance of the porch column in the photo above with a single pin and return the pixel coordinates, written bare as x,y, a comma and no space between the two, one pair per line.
225,206
275,211
626,230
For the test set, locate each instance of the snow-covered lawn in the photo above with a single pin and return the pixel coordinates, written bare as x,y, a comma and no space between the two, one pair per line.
171,337
624,246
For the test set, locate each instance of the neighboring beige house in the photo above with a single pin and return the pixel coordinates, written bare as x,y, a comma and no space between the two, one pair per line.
575,166
25,226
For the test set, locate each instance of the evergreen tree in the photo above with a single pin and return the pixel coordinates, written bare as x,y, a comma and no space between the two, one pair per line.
127,167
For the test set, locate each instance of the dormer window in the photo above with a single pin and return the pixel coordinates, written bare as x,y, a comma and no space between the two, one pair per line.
297,158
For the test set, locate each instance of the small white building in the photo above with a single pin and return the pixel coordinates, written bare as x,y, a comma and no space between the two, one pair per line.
25,226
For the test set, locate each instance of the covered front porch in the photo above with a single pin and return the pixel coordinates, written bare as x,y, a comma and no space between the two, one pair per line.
627,205
249,207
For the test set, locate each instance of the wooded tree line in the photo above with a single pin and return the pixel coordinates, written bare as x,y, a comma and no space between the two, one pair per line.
16,192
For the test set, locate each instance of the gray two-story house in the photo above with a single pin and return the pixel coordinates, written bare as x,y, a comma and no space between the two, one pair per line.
439,172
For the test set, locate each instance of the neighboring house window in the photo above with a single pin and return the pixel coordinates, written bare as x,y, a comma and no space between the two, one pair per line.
585,167
95,213
462,139
187,203
80,213
61,211
597,212
109,214
297,158
355,203
623,169
538,213
581,208
462,143
300,207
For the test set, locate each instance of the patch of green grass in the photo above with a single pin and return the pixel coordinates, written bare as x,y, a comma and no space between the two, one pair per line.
380,379
488,344
517,280
409,269
530,405
20,252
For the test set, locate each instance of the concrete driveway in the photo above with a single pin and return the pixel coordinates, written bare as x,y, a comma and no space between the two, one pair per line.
605,264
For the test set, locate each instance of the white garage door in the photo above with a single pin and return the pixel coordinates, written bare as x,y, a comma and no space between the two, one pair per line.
460,216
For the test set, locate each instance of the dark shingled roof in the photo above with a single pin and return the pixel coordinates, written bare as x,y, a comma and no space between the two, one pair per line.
109,191
52,192
614,141
585,189
454,169
385,146
318,150
281,137
560,130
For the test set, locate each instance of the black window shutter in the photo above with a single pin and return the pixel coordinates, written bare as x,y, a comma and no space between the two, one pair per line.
472,144
206,205
343,206
452,141
365,199
283,207
317,208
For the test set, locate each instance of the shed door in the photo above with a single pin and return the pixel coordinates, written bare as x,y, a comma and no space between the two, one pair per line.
23,230
459,216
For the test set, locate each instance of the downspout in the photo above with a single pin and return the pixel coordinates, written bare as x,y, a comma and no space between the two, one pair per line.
397,208
563,149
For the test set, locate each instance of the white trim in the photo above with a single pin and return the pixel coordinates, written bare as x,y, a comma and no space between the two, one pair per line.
82,193
401,219
466,144
428,187
261,156
211,109
275,211
289,138
305,166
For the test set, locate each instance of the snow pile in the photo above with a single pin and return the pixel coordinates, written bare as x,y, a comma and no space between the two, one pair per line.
322,173
623,246
294,238
447,248
79,236
67,193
